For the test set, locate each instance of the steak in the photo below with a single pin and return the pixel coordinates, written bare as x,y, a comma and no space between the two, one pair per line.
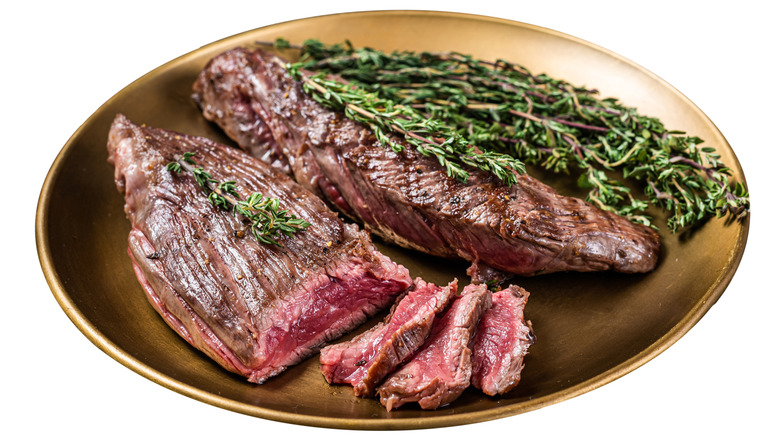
254,308
365,360
501,342
406,198
441,370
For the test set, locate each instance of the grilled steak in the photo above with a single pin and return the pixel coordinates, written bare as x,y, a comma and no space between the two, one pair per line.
501,343
441,370
254,308
365,360
405,197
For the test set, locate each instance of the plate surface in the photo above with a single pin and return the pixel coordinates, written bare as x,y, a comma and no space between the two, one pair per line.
591,328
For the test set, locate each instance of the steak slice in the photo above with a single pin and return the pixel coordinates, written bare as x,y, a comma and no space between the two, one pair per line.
254,308
441,370
501,342
365,360
406,198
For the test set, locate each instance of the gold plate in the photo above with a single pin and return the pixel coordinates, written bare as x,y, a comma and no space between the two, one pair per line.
591,328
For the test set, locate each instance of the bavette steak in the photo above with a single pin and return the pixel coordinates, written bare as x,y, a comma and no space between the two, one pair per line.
365,360
501,342
254,308
406,198
441,370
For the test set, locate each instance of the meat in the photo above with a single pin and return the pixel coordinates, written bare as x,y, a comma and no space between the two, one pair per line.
254,308
405,198
501,343
441,370
365,360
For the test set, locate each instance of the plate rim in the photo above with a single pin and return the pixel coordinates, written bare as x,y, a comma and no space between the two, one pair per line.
70,308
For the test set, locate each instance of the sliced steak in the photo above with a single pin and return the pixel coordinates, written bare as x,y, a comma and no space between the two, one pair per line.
441,370
406,198
254,308
501,343
365,360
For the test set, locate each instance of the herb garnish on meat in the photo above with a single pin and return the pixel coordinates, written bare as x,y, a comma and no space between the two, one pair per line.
268,221
429,136
502,108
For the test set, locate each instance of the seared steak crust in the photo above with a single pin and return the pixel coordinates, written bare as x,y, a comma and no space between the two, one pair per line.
406,198
254,308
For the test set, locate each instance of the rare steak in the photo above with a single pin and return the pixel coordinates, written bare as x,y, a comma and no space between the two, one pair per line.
501,342
254,308
441,370
406,198
365,360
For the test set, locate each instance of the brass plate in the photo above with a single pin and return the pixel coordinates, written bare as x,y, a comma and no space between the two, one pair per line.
592,328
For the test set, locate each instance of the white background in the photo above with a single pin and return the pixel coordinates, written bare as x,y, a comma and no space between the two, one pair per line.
62,60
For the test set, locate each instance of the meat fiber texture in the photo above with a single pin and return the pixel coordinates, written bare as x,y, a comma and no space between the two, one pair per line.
406,198
364,361
254,308
441,370
501,342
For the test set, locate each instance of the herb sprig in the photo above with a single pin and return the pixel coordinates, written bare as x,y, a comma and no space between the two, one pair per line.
429,136
268,221
501,107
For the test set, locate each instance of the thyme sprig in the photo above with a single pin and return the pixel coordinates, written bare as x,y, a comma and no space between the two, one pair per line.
268,221
501,107
429,136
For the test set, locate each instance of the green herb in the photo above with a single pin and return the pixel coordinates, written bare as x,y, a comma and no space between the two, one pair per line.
502,108
429,136
268,220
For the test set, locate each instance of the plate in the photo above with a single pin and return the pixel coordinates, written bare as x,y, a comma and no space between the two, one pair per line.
592,328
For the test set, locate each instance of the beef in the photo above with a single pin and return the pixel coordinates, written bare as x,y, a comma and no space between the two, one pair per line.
441,370
365,360
501,342
406,198
254,308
